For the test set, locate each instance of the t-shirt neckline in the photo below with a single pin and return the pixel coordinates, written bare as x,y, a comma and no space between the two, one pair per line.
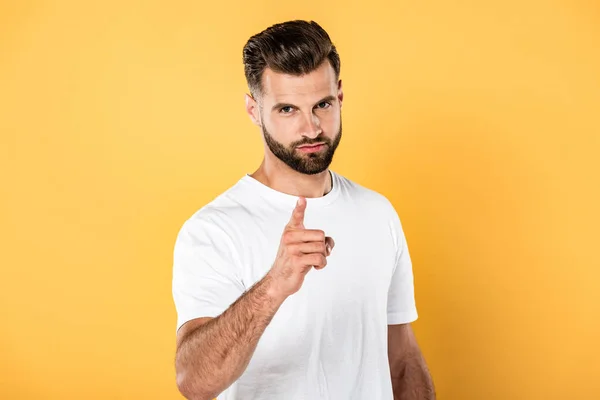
276,195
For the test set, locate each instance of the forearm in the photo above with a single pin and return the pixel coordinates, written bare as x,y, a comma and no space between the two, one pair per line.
411,380
213,356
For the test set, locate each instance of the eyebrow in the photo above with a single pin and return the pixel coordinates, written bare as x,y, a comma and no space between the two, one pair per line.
281,105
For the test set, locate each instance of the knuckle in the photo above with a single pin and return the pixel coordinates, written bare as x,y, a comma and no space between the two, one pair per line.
288,236
318,259
292,248
310,259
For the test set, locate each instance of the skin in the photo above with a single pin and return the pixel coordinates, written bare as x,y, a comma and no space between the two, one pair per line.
307,120
291,111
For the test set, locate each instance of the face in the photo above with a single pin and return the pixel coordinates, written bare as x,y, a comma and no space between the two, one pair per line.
300,118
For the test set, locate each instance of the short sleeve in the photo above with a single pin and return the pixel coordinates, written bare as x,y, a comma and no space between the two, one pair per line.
205,275
401,307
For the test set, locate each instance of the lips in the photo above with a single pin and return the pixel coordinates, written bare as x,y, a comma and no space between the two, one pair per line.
311,148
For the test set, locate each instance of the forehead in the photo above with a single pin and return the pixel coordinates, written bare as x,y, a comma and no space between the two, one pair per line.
279,87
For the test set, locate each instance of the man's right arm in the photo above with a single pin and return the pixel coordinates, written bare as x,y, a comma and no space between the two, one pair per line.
212,356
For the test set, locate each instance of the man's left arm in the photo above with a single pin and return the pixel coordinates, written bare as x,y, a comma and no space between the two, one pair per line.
411,379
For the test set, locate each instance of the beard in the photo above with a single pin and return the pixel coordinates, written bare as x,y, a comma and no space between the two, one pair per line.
309,163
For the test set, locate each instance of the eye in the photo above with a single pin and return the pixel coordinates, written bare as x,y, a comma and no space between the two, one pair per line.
286,109
323,105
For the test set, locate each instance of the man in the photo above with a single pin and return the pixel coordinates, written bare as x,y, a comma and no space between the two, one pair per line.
267,307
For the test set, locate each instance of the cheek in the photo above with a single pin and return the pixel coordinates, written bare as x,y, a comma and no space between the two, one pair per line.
284,129
330,123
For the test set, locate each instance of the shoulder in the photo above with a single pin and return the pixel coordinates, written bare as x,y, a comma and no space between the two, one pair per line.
221,216
366,197
374,205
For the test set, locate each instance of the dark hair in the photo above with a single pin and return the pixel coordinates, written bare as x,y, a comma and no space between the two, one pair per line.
293,47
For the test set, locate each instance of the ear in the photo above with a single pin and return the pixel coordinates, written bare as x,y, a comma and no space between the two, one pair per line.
252,109
340,93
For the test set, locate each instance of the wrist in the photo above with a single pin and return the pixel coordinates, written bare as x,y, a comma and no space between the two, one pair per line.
273,290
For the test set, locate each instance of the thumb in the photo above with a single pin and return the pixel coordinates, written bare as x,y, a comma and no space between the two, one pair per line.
297,219
329,243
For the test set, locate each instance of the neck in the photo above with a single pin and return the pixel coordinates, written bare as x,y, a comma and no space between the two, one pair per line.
280,177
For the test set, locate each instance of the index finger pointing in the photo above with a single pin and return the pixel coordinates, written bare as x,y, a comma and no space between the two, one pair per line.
297,219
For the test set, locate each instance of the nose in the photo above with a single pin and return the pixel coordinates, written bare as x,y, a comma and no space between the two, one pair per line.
311,126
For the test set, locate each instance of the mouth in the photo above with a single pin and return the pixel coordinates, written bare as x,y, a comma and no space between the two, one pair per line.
312,148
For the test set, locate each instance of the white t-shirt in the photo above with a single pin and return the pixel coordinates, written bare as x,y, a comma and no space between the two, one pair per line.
328,340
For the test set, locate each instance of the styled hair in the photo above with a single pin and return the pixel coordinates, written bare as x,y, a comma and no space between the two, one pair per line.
293,47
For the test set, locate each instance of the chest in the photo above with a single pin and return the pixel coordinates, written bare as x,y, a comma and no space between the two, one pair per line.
339,310
360,266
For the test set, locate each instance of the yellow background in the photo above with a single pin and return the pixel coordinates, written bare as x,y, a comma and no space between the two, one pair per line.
480,120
